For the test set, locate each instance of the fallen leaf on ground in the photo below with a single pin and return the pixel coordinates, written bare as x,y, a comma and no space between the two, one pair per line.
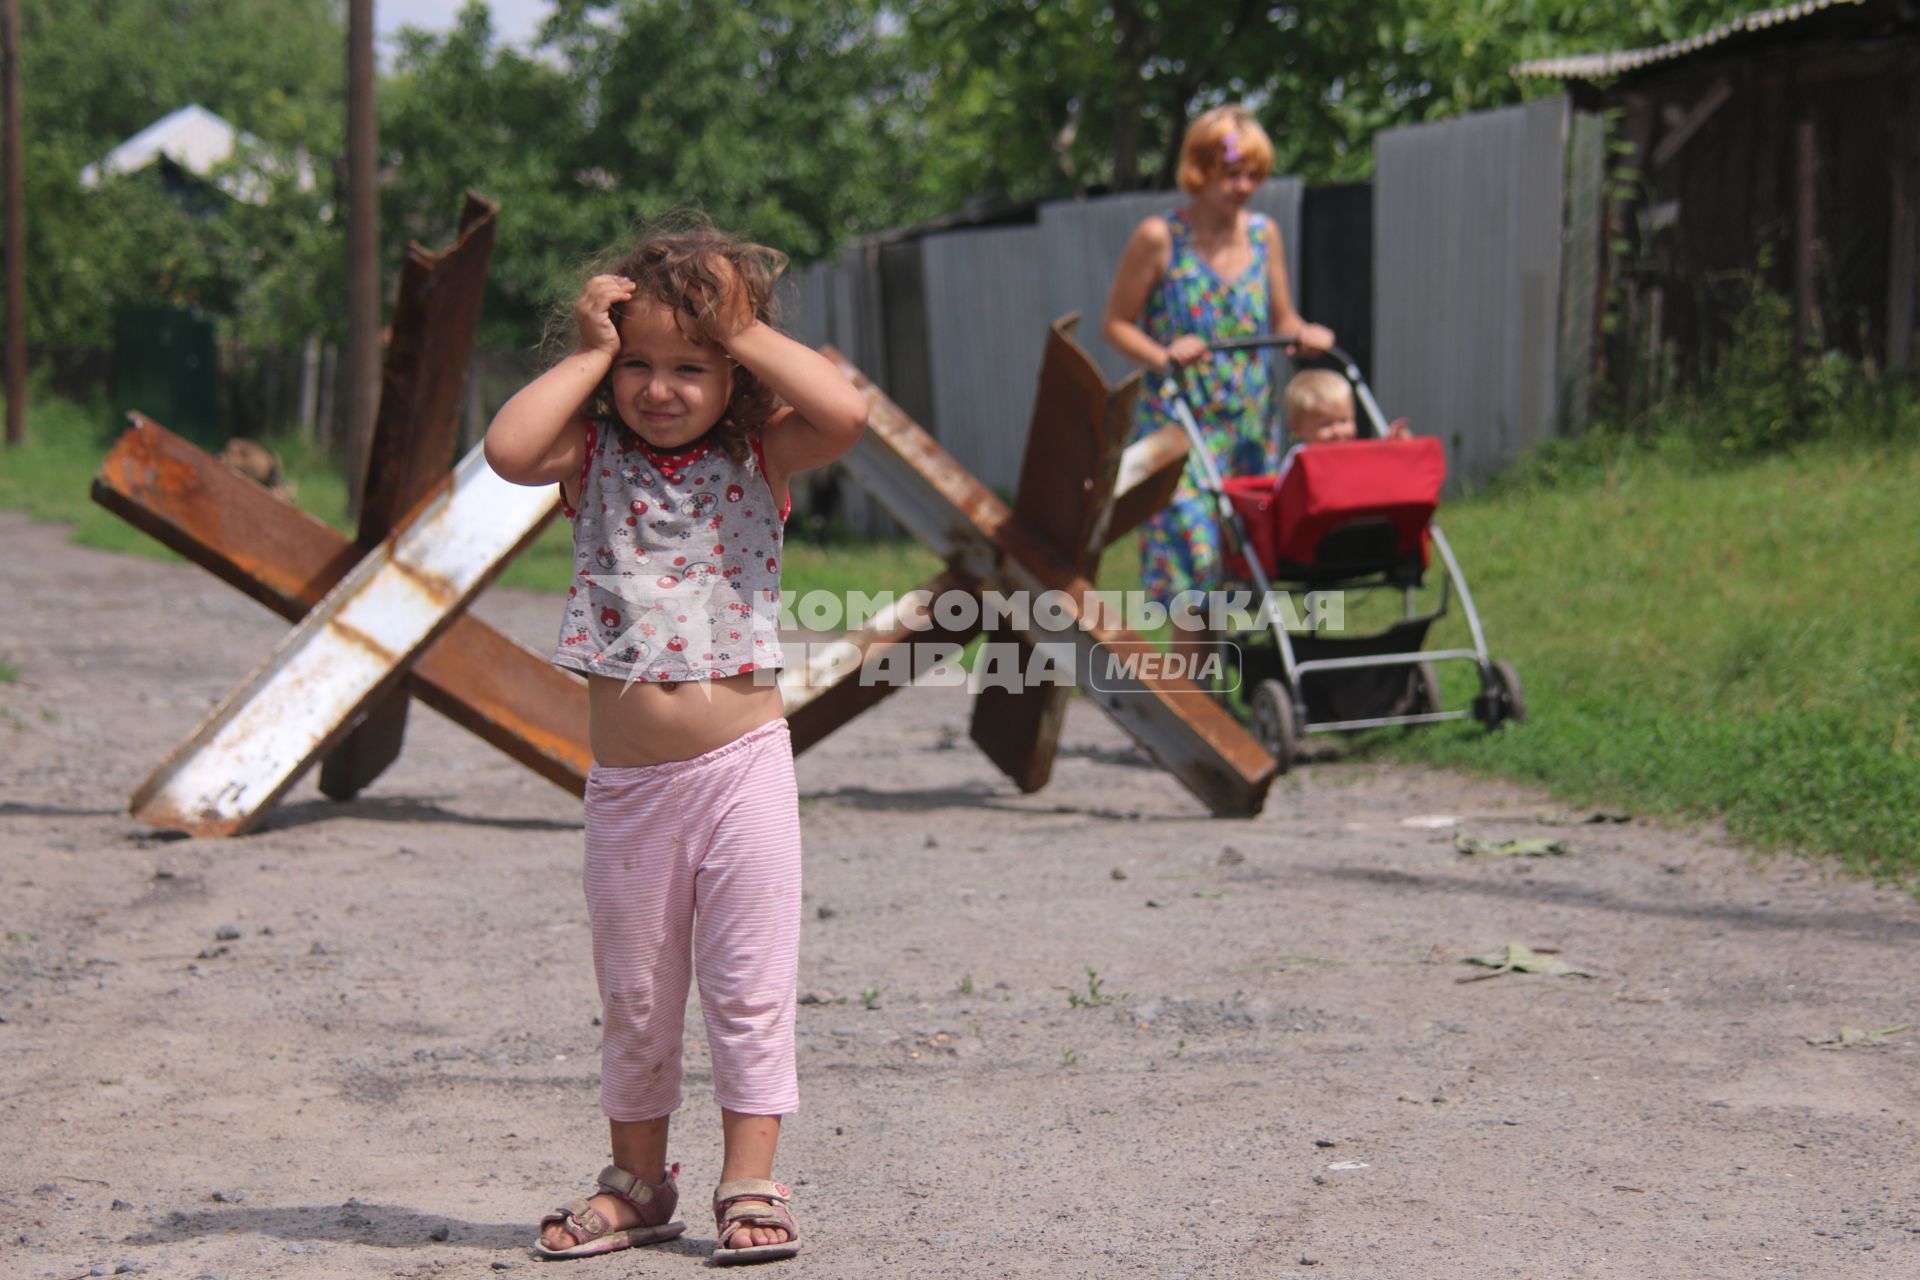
1857,1038
1533,847
1518,957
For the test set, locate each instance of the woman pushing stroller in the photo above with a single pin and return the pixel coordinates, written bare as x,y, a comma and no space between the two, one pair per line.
1209,271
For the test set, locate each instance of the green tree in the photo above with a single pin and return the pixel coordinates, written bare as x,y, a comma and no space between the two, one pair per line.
782,118
785,120
94,74
458,113
1027,99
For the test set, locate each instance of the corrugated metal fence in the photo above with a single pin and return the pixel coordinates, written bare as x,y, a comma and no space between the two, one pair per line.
1474,335
1469,261
953,324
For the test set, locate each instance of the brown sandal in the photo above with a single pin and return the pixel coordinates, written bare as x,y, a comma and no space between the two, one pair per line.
752,1202
594,1235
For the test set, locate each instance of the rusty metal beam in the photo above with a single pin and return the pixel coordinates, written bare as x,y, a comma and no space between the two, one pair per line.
1075,438
976,533
415,438
818,701
282,557
1149,473
848,676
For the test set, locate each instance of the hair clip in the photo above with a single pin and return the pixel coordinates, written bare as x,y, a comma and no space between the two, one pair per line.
1230,149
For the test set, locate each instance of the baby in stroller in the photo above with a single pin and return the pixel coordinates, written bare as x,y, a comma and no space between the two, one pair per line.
1350,511
1320,408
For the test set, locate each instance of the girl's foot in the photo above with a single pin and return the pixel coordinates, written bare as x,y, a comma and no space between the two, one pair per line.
755,1236
627,1211
754,1225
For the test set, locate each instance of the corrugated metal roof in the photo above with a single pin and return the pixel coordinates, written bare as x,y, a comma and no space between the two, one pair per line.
1601,66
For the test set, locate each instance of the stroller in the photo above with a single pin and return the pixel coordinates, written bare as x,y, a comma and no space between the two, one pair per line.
1354,516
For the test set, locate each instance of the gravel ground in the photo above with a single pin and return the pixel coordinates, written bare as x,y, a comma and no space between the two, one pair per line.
1089,1032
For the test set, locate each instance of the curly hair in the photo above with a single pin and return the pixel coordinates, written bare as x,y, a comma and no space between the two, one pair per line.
680,261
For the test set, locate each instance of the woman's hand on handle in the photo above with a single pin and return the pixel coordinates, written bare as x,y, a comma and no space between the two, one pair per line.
1183,351
1311,339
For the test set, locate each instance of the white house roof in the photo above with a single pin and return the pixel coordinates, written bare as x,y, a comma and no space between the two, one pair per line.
200,142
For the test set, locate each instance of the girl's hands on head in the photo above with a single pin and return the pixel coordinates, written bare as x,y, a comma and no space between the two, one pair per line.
593,313
1184,350
729,312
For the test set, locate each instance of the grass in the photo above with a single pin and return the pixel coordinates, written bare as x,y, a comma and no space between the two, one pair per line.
1701,635
1738,641
49,478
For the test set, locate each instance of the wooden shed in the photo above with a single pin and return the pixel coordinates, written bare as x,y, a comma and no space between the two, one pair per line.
1782,147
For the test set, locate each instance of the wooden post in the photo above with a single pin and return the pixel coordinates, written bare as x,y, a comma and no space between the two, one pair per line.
1903,239
16,212
363,250
309,387
1806,303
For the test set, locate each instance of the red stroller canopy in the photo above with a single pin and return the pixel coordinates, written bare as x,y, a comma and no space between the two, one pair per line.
1327,486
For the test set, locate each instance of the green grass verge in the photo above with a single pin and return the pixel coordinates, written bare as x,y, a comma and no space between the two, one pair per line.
1699,638
1739,642
49,478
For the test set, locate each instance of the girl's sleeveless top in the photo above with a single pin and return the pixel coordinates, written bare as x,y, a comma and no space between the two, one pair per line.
676,563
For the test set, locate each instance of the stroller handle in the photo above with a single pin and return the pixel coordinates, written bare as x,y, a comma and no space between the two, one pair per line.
1274,340
1373,420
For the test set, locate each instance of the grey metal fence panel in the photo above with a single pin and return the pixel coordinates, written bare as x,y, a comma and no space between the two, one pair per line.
1080,244
806,303
987,299
986,325
1082,239
1467,274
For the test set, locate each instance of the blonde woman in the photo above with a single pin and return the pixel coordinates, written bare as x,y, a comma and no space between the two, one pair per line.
1208,271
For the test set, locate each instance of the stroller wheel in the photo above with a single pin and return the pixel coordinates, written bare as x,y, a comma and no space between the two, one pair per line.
1512,695
1273,725
1501,698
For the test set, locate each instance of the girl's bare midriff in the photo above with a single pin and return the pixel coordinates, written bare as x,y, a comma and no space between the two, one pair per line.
638,724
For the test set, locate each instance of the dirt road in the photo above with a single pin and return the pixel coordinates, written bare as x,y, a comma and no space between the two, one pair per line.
1089,1032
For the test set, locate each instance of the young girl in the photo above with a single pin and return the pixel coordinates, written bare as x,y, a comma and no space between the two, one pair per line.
673,429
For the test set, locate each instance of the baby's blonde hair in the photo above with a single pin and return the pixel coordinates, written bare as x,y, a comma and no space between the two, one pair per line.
1312,389
1204,151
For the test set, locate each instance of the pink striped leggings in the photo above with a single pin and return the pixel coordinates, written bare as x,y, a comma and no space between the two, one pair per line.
697,860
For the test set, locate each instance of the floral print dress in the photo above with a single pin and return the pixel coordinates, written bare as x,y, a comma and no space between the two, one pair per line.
1231,394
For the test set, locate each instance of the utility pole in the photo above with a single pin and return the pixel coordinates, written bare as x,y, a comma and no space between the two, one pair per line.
363,249
16,245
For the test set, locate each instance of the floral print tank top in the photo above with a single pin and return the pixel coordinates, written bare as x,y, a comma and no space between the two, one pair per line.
676,563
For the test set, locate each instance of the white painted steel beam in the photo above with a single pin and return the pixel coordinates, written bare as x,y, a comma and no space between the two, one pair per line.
355,644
